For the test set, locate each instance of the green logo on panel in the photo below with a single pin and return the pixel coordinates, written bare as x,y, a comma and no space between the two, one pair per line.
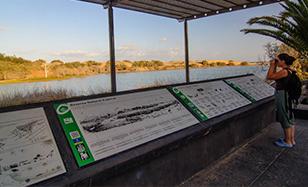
63,109
189,104
175,90
73,134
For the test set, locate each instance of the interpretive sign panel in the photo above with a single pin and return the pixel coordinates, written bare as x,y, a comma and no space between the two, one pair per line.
28,152
102,127
210,99
252,87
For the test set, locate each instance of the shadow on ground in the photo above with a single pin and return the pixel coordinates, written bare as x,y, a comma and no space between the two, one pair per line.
260,163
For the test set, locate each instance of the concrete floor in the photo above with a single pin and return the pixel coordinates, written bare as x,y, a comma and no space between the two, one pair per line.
260,163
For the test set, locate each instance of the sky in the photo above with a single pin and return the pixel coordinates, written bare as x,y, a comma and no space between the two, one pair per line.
71,30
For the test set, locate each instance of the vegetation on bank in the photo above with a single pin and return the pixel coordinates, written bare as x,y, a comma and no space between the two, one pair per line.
33,97
42,95
15,69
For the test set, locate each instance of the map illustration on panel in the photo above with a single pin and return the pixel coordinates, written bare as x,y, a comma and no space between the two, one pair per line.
213,98
113,124
28,152
252,86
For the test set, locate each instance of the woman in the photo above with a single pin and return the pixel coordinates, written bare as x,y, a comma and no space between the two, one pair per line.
284,116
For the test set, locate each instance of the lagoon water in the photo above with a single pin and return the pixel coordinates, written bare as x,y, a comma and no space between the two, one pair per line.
126,81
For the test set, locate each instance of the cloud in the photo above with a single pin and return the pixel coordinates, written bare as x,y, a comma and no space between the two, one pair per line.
163,39
129,51
2,29
127,47
123,52
134,52
174,52
76,54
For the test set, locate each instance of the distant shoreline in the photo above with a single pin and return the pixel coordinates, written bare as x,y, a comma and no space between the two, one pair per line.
18,70
33,80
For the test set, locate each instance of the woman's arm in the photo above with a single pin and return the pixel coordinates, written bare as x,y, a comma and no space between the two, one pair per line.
273,75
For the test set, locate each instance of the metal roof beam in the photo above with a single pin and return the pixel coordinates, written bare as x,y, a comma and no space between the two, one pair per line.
140,3
178,6
183,9
231,2
230,9
149,11
194,5
214,4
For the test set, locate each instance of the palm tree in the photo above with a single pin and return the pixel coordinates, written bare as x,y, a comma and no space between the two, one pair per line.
290,26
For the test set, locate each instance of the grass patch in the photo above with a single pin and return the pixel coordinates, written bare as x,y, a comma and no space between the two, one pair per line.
16,81
34,97
38,96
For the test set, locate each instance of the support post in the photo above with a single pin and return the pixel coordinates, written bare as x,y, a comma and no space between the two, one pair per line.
186,52
112,49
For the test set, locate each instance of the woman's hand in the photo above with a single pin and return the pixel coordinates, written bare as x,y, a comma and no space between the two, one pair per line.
272,74
273,63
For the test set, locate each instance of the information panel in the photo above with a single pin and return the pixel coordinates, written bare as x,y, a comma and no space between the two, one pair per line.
102,127
210,99
252,87
28,152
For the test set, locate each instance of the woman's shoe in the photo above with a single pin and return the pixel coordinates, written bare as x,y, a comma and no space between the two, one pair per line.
283,144
282,140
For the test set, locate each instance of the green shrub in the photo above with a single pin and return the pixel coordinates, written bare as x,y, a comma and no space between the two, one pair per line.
244,63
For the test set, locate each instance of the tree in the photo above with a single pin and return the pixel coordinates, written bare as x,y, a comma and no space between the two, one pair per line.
231,64
220,63
107,66
2,56
92,63
271,50
205,63
59,62
244,63
157,63
121,67
290,26
283,48
40,61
